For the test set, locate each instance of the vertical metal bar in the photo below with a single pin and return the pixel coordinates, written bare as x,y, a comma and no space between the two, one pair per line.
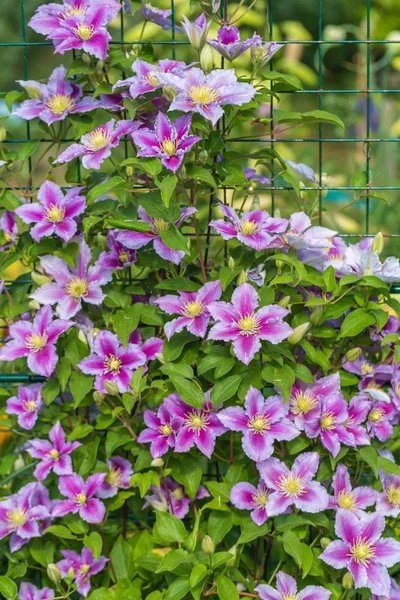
270,22
25,61
173,28
368,117
320,103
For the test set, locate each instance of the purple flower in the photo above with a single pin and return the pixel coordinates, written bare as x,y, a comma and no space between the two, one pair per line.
72,286
168,141
192,308
53,454
83,566
325,422
26,405
304,398
247,497
119,257
379,421
294,487
156,15
257,275
9,227
351,431
206,94
301,236
197,31
363,552
54,101
161,429
172,498
20,516
229,44
138,239
96,146
286,587
147,76
372,376
118,477
251,175
256,229
262,422
303,170
388,501
54,213
347,498
199,426
150,348
28,591
357,261
49,17
80,497
110,361
261,54
36,341
241,323
394,593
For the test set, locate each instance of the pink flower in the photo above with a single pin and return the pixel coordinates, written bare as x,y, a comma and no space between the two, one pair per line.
302,236
119,256
28,591
172,498
286,587
388,501
118,477
229,44
54,455
83,566
305,398
379,420
326,421
26,405
80,497
162,428
347,498
147,76
247,497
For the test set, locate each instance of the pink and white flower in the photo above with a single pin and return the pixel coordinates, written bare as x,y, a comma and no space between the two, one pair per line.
348,498
83,566
27,405
286,587
54,455
247,497
118,477
80,497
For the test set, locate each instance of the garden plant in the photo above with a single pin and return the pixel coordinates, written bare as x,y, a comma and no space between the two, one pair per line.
213,400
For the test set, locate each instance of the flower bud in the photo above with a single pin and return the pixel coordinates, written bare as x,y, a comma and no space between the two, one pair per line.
279,264
250,190
157,462
242,277
232,551
40,279
298,333
86,59
203,156
3,134
324,542
207,545
71,573
98,397
111,388
231,262
334,33
169,92
206,59
101,241
129,171
316,315
377,244
348,581
99,65
53,573
353,354
285,301
34,305
82,337
160,357
33,92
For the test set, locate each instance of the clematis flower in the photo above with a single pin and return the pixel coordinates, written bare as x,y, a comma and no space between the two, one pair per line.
352,432
119,256
147,76
229,44
301,236
54,213
110,361
80,497
118,477
199,426
325,422
257,275
168,141
72,286
388,501
247,497
303,170
172,498
261,54
138,239
20,517
162,428
9,227
150,347
197,31
252,175
362,551
55,100
394,593
261,422
379,420
345,497
295,486
286,587
36,341
84,566
27,405
304,398
206,94
96,146
156,15
241,323
192,308
49,17
370,373
28,591
357,261
256,229
53,454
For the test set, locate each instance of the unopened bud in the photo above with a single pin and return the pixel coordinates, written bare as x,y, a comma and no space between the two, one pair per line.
98,397
169,92
298,333
160,357
157,462
101,241
71,573
277,213
99,65
206,58
285,301
250,190
111,388
242,277
316,315
34,305
231,262
82,337
33,92
3,134
203,156
86,59
207,545
53,573
353,354
324,542
348,581
40,279
231,562
279,264
377,244
129,171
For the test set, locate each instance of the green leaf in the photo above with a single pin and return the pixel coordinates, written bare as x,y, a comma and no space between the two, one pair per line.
292,546
198,573
50,390
226,589
168,185
307,559
173,238
225,389
125,321
179,369
178,283
219,525
370,456
8,587
94,543
28,149
156,208
178,589
290,82
173,559
115,439
80,431
170,528
63,371
103,188
355,322
122,559
80,385
10,98
388,466
201,174
60,531
251,532
189,391
283,377
42,553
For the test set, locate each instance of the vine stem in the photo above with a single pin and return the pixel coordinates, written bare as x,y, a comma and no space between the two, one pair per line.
196,228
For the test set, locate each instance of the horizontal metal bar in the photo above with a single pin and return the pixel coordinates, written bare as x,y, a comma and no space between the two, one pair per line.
185,43
245,139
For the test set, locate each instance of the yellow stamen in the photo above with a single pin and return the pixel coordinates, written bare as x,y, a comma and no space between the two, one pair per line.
80,499
76,10
84,569
203,94
54,214
152,79
124,257
291,486
248,325
328,421
197,421
260,499
178,493
59,103
166,429
259,423
112,364
54,454
114,477
362,551
36,342
193,309
247,227
16,518
160,225
30,406
346,500
393,494
98,139
77,287
84,32
366,368
169,147
303,402
376,415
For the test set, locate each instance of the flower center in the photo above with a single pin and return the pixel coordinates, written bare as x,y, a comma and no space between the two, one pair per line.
54,214
328,421
193,309
77,287
36,342
84,569
203,94
249,325
160,225
112,364
75,10
178,493
166,429
59,103
247,227
303,402
258,423
362,552
366,368
393,494
260,498
290,597
114,477
80,499
169,147
152,79
98,139
197,421
30,406
397,389
16,518
84,32
376,415
54,454
124,256
346,500
292,486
